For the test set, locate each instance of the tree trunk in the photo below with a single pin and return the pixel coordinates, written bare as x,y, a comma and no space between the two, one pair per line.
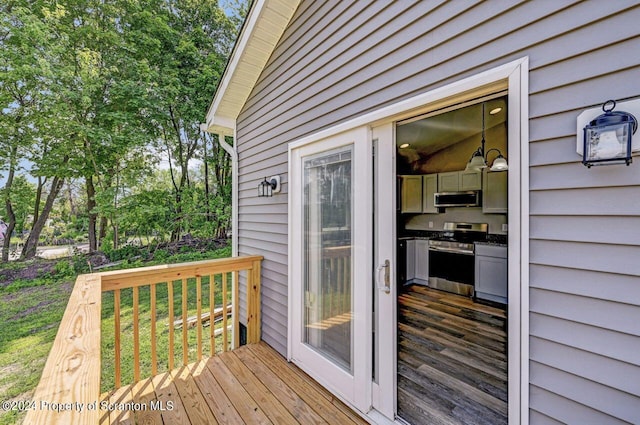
6,244
116,236
93,217
11,224
36,207
30,247
175,232
72,205
103,229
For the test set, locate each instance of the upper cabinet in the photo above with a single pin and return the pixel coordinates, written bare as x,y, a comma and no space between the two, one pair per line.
456,181
470,180
494,196
429,188
417,190
411,196
449,182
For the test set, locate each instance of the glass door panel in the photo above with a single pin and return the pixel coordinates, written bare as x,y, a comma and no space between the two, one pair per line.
328,325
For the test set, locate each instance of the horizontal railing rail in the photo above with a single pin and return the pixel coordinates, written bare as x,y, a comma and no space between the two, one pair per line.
69,389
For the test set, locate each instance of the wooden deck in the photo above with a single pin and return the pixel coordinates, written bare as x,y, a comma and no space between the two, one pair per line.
452,363
250,385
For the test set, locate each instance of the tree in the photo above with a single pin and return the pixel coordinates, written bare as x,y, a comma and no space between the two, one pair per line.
88,87
193,41
25,75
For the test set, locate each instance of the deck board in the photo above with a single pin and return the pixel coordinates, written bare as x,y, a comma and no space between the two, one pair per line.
452,367
250,385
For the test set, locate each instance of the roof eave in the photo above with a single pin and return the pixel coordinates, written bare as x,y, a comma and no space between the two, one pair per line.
264,25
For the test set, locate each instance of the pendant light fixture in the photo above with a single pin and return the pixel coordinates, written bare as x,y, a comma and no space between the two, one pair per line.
478,160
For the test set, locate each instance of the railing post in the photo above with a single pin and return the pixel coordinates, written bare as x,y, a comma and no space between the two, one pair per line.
253,303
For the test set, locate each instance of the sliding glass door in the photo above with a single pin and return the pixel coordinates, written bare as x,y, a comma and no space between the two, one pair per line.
331,263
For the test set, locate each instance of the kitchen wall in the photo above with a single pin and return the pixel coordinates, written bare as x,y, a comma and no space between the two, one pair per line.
461,215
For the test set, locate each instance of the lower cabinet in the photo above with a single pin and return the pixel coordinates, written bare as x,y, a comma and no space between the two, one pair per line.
411,260
417,261
491,280
422,261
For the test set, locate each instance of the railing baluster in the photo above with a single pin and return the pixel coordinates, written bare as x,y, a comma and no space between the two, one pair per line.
225,337
154,353
199,313
171,318
136,337
116,321
235,312
212,308
185,340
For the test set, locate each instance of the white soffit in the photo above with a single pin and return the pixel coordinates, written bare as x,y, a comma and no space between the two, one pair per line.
264,25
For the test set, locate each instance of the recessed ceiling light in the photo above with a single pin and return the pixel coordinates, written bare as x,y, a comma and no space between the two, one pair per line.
495,111
404,145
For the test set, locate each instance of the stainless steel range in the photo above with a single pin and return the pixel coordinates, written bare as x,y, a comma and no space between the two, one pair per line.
451,257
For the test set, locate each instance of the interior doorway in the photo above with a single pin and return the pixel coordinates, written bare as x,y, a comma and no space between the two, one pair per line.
452,243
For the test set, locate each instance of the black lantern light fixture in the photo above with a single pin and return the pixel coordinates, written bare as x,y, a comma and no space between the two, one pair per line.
479,158
267,187
607,138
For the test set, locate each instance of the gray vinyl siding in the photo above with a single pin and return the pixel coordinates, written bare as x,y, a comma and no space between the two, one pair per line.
339,60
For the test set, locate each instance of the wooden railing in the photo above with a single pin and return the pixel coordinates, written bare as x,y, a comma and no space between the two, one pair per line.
69,389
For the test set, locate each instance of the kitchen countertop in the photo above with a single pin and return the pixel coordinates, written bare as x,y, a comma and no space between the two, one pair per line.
493,243
492,239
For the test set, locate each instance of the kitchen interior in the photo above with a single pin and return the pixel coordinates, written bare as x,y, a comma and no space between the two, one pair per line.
452,219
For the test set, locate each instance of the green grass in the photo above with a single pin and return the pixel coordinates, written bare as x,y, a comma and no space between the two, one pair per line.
31,310
30,315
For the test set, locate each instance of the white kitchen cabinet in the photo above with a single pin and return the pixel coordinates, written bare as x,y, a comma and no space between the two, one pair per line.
429,188
491,274
411,260
411,196
422,261
449,182
457,181
495,193
470,180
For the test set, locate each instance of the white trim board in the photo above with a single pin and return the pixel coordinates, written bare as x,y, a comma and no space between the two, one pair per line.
514,77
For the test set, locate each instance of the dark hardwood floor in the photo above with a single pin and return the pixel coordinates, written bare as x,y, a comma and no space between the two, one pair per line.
452,361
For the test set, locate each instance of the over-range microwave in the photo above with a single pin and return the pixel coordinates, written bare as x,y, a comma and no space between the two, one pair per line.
471,198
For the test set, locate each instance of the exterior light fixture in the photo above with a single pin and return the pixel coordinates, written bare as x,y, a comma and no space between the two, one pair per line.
404,145
478,160
607,138
268,187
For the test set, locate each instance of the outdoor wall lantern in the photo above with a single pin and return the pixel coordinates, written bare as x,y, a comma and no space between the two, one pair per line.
479,158
268,187
607,138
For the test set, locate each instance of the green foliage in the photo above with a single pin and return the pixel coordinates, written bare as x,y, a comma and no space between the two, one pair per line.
92,92
64,269
127,252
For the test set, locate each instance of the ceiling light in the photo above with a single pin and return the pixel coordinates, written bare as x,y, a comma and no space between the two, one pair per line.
495,111
404,145
479,158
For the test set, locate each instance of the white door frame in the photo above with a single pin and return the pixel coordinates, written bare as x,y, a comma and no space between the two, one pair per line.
514,77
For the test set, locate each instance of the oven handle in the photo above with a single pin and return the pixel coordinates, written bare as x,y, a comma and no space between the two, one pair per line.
451,250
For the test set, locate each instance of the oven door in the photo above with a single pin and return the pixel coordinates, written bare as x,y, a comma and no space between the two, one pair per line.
452,266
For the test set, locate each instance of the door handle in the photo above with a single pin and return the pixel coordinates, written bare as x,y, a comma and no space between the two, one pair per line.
386,284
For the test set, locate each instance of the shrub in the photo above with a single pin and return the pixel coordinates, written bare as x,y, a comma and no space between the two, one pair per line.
63,268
